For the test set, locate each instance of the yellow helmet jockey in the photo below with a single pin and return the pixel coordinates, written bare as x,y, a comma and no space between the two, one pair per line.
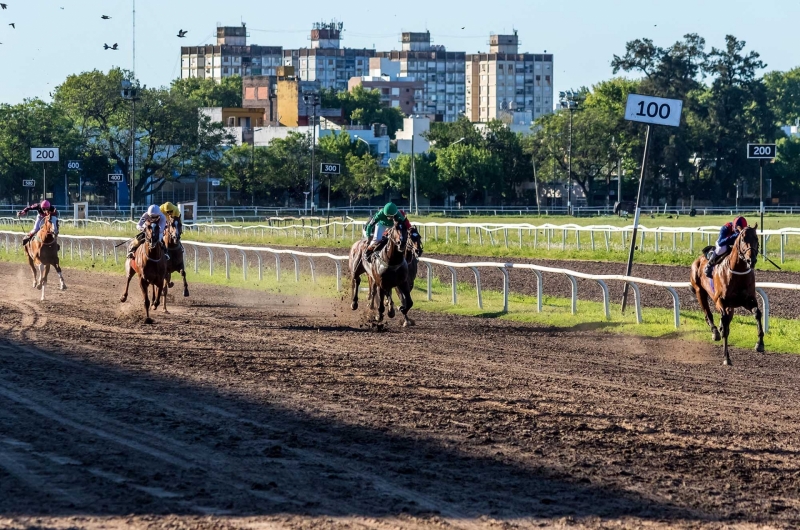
170,209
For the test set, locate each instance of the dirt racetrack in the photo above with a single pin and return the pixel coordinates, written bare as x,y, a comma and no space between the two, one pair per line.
242,409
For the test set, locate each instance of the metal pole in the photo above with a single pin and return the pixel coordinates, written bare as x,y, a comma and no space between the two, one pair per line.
636,217
133,150
619,178
413,178
761,193
313,144
66,189
536,185
569,164
44,173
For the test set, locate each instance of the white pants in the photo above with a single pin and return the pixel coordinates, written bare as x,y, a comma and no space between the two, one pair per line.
377,234
40,219
720,250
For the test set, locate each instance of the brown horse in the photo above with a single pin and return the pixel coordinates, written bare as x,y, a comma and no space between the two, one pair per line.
388,270
413,250
175,262
42,252
150,264
733,285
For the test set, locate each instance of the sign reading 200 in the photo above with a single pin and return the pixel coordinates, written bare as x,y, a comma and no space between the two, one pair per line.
44,154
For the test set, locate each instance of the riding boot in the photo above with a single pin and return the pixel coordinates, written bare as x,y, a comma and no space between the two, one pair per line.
709,271
26,239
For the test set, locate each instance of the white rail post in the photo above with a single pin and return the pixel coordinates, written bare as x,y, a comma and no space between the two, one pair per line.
244,264
539,289
505,236
278,267
227,263
574,283
520,238
578,239
453,284
606,298
338,265
296,267
607,237
765,305
506,288
564,240
638,302
591,236
430,281
195,260
676,305
313,269
260,266
478,286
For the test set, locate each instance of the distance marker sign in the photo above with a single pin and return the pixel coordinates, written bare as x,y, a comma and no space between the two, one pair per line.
653,110
331,169
116,177
762,151
44,154
28,183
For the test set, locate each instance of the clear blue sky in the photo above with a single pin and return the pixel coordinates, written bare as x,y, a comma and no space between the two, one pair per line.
49,43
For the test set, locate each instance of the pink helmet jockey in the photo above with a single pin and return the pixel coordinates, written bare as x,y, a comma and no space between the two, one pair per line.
45,204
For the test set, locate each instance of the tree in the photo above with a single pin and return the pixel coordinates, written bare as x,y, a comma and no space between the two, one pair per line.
206,92
783,94
428,182
363,107
169,130
468,171
364,178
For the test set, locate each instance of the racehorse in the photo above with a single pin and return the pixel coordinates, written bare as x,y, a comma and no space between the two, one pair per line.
388,270
175,262
150,264
733,285
42,252
413,250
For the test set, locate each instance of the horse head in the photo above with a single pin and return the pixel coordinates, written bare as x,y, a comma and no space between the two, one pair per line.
747,246
47,233
152,235
395,245
414,242
170,236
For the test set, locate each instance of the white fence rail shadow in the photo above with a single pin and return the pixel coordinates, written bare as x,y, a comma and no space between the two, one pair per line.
107,248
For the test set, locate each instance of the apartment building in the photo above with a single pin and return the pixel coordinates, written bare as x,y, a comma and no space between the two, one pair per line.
504,83
230,56
396,90
443,96
326,61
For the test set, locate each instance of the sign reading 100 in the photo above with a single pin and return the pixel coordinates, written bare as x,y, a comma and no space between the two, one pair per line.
657,111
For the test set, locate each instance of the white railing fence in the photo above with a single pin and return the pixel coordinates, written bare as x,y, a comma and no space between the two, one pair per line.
546,236
107,247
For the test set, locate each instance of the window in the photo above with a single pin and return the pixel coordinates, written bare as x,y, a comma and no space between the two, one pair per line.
231,121
225,70
250,93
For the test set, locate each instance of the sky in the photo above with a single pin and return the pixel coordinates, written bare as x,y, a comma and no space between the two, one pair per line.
56,38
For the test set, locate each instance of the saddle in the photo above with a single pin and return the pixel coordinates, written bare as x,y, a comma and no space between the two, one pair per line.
708,252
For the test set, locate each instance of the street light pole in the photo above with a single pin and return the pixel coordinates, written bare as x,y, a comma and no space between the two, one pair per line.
569,100
130,93
312,99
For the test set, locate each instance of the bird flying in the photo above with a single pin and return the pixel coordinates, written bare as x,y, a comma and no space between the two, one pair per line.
182,33
13,25
105,17
4,6
107,47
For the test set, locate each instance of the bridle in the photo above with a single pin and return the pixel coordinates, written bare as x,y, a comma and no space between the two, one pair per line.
746,253
152,239
49,233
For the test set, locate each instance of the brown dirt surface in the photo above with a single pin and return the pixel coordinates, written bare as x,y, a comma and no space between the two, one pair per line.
249,410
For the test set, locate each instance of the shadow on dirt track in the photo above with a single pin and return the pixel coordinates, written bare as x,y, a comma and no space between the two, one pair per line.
89,439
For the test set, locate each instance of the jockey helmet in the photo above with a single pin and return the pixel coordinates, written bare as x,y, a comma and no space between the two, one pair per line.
153,211
170,209
390,210
740,222
45,204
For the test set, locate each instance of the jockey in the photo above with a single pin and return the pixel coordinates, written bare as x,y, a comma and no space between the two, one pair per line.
385,218
42,208
173,215
152,215
727,237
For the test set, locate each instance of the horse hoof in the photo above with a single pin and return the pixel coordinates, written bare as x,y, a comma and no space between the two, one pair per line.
123,299
171,285
379,318
391,313
716,336
410,322
148,320
354,306
760,347
186,294
727,362
38,287
63,287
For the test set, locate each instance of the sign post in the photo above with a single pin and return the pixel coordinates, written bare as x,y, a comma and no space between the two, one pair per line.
763,153
116,178
652,111
72,165
28,184
44,154
330,169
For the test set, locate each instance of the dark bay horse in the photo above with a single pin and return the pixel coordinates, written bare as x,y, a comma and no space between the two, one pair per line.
733,285
174,263
388,270
413,250
42,252
150,264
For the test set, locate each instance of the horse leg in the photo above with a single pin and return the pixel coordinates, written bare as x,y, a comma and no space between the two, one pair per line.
757,313
727,317
41,276
60,276
390,299
702,298
185,284
354,286
45,269
32,266
156,299
380,295
165,290
407,304
130,272
143,285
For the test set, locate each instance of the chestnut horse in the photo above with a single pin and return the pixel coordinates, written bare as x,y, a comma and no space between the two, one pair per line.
175,262
150,264
42,252
387,270
733,285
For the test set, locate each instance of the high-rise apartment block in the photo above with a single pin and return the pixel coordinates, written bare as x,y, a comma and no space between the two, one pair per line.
326,61
441,72
231,56
504,83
